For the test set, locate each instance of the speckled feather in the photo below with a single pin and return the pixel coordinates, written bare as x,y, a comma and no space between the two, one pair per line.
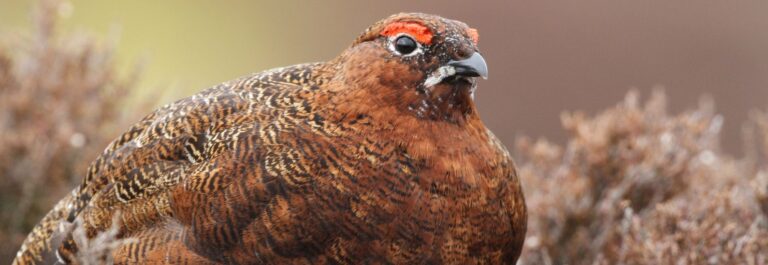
344,162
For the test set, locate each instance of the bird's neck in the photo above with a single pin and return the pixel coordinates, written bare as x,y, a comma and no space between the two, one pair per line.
442,103
439,105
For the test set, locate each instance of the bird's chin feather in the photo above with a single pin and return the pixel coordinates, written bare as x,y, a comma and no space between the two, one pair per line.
446,75
439,75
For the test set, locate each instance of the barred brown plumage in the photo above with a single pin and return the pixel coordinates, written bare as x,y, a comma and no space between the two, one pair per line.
377,156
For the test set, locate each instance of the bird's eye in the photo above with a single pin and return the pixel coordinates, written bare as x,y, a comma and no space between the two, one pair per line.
405,45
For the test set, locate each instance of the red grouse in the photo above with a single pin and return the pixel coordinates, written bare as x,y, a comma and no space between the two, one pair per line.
375,157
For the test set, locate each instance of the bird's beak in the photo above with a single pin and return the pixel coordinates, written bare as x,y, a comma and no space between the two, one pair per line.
471,67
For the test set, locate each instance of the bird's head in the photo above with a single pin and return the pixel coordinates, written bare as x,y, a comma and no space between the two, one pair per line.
425,64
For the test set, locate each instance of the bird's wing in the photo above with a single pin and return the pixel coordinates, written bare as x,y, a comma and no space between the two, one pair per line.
187,143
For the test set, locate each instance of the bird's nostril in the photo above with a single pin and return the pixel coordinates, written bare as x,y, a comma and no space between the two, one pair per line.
461,54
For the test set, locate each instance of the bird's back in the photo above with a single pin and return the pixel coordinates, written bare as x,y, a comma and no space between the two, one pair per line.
184,146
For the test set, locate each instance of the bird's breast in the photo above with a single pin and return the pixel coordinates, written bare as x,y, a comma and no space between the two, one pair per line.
452,194
400,194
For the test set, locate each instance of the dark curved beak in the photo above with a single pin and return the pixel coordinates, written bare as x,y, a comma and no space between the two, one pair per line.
471,67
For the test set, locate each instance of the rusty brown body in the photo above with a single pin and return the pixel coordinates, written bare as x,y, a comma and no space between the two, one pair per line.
340,162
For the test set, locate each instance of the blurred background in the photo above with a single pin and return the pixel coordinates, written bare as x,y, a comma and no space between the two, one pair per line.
544,57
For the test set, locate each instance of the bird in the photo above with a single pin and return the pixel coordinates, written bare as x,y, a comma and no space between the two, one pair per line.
377,156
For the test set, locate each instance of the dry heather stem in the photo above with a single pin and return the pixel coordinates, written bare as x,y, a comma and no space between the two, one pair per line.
634,185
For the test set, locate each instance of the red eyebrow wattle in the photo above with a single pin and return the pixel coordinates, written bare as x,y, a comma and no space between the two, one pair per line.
417,30
473,35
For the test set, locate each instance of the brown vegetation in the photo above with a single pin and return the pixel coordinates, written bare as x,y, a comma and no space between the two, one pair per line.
635,185
60,104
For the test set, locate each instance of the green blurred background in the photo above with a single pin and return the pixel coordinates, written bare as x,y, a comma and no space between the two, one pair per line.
544,56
